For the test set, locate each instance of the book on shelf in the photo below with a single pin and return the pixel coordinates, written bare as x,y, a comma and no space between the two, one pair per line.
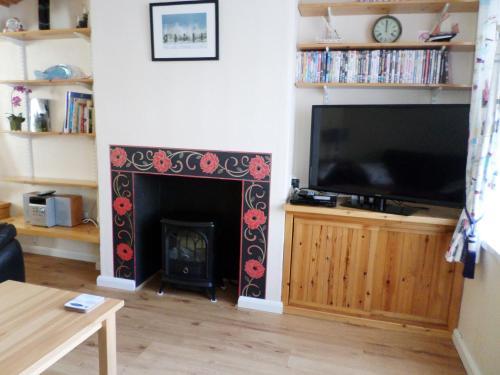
424,66
79,113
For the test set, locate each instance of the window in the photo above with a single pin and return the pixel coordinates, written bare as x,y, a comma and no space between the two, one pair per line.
490,228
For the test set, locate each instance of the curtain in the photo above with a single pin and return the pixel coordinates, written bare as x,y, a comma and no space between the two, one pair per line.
482,166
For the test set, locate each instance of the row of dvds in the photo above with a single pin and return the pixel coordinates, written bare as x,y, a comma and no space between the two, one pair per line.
373,66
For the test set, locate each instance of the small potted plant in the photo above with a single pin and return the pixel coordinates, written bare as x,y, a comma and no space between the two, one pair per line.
16,121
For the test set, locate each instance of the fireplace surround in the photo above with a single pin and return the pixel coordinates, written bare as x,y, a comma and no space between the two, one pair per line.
251,170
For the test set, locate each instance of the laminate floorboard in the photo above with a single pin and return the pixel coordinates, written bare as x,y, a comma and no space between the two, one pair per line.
184,333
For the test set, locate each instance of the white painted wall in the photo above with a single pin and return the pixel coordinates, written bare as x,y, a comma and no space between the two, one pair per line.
479,326
54,156
242,102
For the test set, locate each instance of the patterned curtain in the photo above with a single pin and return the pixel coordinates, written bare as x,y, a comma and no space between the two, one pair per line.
483,155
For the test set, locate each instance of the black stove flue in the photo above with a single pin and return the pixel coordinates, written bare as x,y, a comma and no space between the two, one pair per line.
188,254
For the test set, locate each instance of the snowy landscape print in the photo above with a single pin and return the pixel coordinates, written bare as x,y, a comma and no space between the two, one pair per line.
185,30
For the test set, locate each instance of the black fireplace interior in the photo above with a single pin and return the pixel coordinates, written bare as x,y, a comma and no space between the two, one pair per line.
158,197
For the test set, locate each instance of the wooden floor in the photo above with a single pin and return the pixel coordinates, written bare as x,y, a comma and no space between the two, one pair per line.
183,333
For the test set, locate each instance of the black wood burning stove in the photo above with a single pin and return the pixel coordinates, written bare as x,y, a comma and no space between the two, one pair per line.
188,254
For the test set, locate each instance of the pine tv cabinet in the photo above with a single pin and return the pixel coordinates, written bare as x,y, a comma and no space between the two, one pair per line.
372,268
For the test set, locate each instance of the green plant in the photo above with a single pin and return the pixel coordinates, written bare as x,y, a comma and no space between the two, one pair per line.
16,101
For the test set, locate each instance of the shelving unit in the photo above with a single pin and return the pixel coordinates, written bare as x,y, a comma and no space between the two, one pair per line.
328,9
47,134
444,86
83,232
394,7
452,46
54,82
32,35
51,182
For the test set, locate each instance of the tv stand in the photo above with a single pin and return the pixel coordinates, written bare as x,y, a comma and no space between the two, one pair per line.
369,268
378,205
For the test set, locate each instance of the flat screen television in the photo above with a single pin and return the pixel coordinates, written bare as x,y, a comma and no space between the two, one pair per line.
413,153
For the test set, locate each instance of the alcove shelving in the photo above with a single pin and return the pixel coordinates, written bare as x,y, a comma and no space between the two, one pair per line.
327,9
46,82
83,232
30,35
386,7
88,184
444,86
47,134
452,46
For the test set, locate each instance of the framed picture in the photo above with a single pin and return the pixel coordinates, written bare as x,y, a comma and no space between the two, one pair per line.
184,30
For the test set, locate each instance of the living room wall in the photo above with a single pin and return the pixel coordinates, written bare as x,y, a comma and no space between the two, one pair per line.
242,102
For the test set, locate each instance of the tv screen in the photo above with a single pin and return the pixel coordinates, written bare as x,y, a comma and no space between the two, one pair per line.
413,153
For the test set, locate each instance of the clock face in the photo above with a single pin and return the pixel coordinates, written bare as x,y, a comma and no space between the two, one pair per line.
387,29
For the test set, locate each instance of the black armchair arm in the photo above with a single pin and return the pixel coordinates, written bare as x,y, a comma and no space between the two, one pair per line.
7,234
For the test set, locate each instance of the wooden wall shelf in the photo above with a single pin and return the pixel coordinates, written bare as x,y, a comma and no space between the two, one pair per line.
83,232
30,35
407,6
47,134
52,182
43,82
444,86
8,3
453,46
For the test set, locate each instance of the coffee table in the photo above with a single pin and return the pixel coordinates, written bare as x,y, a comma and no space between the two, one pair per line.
36,331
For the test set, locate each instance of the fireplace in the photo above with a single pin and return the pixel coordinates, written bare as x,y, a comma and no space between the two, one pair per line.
188,254
139,175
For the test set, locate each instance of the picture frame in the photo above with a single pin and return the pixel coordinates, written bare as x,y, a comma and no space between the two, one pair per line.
184,30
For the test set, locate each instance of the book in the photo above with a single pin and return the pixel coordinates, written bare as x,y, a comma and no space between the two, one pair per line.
77,117
84,303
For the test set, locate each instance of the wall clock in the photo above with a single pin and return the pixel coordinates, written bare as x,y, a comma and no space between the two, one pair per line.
387,29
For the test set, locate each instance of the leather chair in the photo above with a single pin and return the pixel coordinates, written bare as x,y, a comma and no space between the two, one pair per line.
11,255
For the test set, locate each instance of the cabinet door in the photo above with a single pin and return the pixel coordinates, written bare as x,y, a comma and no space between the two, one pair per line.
329,264
412,279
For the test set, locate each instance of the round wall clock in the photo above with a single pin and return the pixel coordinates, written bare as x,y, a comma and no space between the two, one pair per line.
387,29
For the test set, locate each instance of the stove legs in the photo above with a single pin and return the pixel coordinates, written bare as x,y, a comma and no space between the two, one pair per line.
161,291
213,298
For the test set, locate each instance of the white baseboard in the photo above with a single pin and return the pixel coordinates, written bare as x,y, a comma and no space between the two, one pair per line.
116,283
260,304
60,253
465,355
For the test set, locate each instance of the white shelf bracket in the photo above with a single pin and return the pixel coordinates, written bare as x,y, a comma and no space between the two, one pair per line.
326,95
331,35
17,42
82,36
86,85
443,15
435,94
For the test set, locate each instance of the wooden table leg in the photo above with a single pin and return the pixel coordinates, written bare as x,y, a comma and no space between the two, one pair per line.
107,347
